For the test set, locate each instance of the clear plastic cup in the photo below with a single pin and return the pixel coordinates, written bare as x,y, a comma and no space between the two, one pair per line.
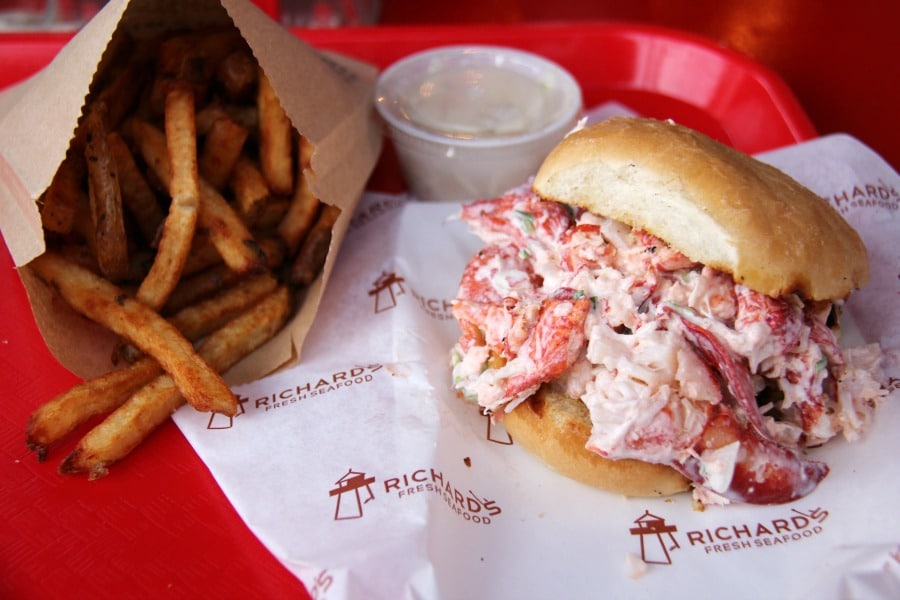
470,122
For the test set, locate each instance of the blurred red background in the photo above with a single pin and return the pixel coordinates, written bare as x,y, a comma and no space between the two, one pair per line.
840,58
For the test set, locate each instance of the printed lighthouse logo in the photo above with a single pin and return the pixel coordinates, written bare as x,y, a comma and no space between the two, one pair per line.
656,538
385,290
497,433
220,421
351,492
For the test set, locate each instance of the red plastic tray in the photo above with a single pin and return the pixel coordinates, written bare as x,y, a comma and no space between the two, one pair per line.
159,525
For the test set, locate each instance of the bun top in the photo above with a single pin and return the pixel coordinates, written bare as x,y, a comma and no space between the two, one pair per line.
712,203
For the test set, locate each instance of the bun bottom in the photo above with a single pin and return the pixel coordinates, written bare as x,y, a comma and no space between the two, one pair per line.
555,428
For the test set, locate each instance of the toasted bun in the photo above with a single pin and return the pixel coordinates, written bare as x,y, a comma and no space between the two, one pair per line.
717,206
555,428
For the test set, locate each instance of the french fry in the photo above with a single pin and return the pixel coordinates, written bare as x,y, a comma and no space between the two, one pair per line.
83,255
221,150
124,429
275,139
83,226
150,142
251,192
247,116
311,258
208,115
227,231
235,242
109,306
237,75
304,207
205,283
191,57
120,94
201,285
205,316
200,319
150,406
117,89
272,213
179,225
203,254
105,197
177,64
62,415
61,201
80,254
246,332
137,196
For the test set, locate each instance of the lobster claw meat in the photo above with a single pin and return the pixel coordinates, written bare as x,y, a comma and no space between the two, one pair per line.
763,472
736,377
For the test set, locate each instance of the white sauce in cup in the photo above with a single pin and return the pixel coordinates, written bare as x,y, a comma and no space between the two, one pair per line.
473,121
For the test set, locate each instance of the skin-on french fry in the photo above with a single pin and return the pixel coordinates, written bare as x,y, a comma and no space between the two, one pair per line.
105,197
197,320
150,406
61,201
62,415
244,115
192,58
83,256
205,283
251,192
275,139
201,285
121,93
239,249
124,429
117,89
208,115
221,150
203,254
204,317
137,196
200,319
272,213
184,188
246,332
237,75
79,254
311,258
83,225
109,306
304,207
227,231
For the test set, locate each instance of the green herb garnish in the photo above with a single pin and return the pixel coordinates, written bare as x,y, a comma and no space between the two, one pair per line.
526,221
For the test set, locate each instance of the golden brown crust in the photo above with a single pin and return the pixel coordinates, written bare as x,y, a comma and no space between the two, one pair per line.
716,205
555,428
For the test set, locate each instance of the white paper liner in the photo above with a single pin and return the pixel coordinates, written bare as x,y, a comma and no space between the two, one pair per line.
364,474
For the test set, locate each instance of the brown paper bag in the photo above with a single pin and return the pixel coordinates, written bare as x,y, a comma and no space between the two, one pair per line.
327,98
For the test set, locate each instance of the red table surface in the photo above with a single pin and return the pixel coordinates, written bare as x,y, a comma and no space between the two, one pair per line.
159,525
